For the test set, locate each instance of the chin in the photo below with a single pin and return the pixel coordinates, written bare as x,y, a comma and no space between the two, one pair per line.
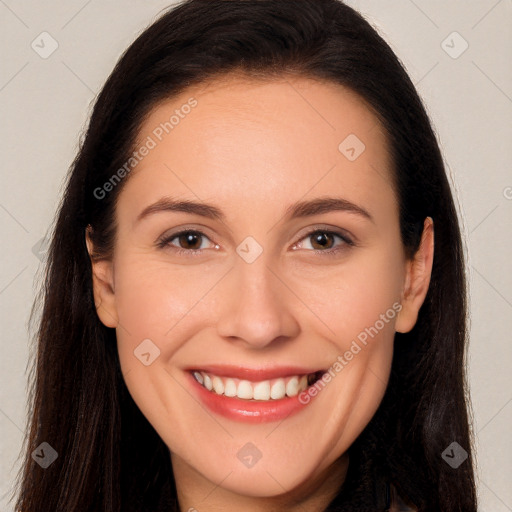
262,483
272,475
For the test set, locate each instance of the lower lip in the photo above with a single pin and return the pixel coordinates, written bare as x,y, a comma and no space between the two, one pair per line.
250,411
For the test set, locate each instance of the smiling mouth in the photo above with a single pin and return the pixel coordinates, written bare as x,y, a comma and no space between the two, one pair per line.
265,390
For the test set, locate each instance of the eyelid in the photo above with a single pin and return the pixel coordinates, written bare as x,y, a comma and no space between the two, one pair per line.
196,228
342,233
347,239
336,251
164,240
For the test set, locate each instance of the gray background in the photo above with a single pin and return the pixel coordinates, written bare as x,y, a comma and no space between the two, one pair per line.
45,103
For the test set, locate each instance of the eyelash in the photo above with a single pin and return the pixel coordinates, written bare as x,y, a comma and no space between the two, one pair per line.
166,242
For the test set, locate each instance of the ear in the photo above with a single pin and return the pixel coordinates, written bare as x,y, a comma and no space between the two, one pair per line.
417,279
103,285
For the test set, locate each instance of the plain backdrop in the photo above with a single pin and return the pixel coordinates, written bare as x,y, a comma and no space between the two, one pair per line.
458,53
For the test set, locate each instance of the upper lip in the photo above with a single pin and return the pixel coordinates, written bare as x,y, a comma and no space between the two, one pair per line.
254,374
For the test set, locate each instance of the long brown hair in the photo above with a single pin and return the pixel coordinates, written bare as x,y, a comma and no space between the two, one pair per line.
110,459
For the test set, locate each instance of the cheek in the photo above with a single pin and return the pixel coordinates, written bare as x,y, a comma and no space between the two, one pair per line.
154,303
352,296
152,295
358,305
160,308
149,302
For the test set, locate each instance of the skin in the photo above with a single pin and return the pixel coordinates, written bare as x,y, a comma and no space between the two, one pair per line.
253,149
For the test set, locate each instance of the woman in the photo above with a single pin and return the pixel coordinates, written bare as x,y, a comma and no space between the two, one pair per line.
244,305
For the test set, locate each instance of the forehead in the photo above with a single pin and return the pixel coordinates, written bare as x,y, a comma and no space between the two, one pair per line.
259,140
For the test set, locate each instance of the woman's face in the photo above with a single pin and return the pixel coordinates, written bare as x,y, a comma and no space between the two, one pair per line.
291,265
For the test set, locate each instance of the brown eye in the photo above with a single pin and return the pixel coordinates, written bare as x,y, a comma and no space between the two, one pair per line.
190,240
322,240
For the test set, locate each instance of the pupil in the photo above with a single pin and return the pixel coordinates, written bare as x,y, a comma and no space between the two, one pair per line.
189,239
320,239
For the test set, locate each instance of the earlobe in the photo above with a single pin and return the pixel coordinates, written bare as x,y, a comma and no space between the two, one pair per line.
103,285
417,279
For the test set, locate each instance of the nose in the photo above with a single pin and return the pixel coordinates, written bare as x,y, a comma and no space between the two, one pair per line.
257,306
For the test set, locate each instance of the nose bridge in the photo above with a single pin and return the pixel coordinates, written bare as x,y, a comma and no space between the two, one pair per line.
257,306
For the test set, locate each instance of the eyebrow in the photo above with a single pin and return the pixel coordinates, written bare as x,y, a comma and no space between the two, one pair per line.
298,210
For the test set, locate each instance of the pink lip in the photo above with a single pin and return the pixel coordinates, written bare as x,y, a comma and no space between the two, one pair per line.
254,374
248,411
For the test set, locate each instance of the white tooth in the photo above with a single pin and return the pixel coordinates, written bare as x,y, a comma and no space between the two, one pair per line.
303,383
208,383
278,390
218,385
230,389
198,377
292,388
262,390
244,390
